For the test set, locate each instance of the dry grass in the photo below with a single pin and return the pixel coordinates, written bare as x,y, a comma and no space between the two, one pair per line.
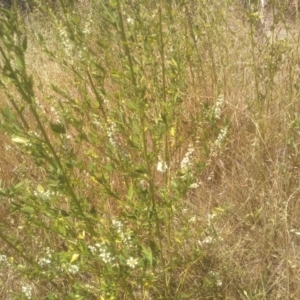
235,236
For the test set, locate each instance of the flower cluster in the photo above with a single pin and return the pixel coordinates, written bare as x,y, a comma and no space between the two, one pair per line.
130,21
186,161
27,291
162,166
144,185
124,236
102,251
110,127
208,240
44,261
218,107
214,236
96,121
73,269
70,268
87,26
132,262
216,277
68,47
42,194
55,113
3,259
195,185
111,132
221,137
47,259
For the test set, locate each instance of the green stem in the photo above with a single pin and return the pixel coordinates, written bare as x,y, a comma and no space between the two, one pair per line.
125,44
98,97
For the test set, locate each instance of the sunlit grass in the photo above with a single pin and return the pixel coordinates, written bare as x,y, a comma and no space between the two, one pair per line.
149,151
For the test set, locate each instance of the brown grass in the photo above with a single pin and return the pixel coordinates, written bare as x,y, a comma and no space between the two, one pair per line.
250,186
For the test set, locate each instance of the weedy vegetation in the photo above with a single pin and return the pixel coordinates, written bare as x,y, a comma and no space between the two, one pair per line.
149,150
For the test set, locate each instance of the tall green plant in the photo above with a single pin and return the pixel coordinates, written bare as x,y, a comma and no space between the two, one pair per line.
115,163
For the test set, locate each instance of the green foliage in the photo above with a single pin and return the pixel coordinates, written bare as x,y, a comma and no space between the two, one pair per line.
117,150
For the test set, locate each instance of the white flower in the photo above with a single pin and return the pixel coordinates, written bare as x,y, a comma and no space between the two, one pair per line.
87,26
219,282
44,261
221,137
102,251
125,236
130,21
106,103
117,224
96,122
3,259
186,161
207,240
66,42
41,193
111,131
144,185
210,218
216,277
73,269
26,290
106,256
92,249
194,185
218,106
132,262
162,166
